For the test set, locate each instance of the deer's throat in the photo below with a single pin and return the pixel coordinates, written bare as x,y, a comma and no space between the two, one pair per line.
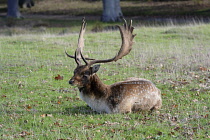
95,88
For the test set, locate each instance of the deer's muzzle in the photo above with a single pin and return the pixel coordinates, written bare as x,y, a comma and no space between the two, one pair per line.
71,82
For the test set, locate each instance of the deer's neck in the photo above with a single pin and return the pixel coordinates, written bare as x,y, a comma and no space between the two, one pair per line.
95,88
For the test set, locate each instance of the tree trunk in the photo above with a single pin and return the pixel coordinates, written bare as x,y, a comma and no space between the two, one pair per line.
13,9
111,11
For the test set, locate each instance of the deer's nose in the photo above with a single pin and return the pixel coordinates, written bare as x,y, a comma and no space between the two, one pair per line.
71,82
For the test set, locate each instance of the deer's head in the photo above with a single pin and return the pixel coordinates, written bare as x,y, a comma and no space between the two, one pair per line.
84,72
82,75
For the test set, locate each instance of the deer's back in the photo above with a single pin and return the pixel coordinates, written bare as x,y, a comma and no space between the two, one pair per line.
134,94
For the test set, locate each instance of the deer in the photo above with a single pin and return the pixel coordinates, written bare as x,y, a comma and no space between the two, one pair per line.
131,95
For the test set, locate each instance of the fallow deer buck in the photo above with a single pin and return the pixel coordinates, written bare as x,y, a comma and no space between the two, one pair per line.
133,94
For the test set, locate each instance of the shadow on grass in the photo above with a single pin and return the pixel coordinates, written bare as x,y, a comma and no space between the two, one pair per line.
87,110
79,110
67,111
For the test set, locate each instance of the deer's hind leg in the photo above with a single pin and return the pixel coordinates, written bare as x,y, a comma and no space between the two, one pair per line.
158,105
125,107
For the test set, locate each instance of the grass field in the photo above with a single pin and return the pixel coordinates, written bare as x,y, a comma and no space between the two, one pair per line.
34,105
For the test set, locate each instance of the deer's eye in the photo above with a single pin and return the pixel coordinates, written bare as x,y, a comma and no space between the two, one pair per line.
85,76
86,73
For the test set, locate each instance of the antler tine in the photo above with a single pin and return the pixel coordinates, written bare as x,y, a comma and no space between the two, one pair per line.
80,45
71,56
127,42
78,51
125,24
68,54
130,26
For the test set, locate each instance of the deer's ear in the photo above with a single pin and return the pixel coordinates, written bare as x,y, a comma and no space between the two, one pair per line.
95,68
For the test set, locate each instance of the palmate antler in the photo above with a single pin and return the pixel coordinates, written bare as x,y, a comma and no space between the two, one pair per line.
127,36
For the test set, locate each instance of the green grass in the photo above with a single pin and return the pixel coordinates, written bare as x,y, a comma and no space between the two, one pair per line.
33,105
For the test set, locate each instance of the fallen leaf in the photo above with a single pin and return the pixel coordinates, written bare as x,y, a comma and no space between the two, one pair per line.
194,89
49,115
149,137
172,133
3,96
177,128
59,77
24,133
174,106
46,115
195,100
203,69
112,130
174,119
159,133
28,107
60,97
20,85
43,115
206,116
98,130
57,123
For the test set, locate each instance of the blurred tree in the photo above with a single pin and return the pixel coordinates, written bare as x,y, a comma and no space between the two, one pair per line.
111,11
13,7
